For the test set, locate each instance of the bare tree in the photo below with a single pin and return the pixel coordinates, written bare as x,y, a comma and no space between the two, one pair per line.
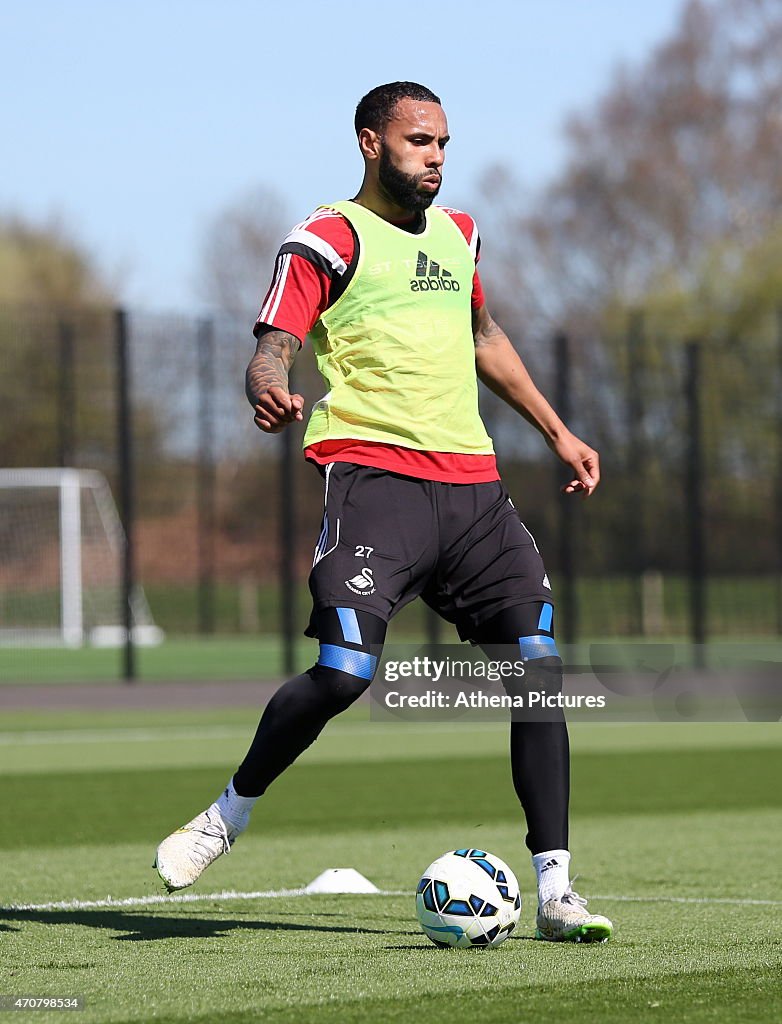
239,248
680,155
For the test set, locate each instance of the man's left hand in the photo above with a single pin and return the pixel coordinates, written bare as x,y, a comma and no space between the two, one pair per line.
583,460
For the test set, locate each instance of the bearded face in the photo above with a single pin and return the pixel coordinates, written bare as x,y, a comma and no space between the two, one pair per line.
412,192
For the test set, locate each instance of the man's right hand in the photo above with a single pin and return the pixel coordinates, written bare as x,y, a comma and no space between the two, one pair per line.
276,409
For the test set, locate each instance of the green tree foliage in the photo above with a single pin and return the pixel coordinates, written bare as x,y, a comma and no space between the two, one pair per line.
49,342
58,379
42,267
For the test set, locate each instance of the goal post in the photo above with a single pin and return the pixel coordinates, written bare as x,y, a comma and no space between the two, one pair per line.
61,548
71,594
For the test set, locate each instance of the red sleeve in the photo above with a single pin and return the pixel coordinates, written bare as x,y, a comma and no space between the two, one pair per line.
478,296
469,229
312,254
296,297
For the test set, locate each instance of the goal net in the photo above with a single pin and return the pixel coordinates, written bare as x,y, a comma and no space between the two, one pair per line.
61,548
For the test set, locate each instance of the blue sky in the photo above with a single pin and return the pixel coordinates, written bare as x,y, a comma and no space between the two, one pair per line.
136,122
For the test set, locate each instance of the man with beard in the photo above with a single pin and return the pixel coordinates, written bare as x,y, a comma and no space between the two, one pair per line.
386,287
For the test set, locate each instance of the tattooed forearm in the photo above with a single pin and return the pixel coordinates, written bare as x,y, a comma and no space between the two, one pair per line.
484,329
271,363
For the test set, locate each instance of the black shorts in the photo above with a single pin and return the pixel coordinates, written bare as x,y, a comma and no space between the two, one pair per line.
387,539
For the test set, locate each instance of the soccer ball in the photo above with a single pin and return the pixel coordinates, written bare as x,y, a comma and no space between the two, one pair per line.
468,898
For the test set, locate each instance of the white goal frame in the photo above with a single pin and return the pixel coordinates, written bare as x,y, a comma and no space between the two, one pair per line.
72,631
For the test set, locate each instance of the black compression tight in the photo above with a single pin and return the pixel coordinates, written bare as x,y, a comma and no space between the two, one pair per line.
297,713
299,710
539,750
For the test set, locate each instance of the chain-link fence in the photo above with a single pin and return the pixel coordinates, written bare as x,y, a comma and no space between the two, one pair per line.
681,540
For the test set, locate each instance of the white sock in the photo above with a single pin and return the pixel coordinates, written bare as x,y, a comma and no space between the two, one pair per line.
235,809
553,871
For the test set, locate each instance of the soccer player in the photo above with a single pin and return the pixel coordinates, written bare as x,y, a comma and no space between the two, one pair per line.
386,286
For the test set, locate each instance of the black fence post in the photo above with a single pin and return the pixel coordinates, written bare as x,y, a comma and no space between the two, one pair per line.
205,484
567,603
778,488
125,461
66,395
287,564
695,505
635,555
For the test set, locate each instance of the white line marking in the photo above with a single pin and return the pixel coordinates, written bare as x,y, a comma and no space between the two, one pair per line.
147,901
123,735
270,894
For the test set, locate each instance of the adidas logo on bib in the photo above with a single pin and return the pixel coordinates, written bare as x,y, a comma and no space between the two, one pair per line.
429,277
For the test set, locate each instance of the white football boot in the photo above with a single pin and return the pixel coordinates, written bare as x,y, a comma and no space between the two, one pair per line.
566,920
186,853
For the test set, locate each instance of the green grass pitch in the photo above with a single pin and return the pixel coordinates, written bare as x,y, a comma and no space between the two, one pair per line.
676,832
261,657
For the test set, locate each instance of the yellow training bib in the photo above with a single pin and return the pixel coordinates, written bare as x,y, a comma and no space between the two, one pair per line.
396,349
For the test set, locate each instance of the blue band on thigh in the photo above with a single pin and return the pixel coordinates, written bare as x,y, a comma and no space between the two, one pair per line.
537,647
353,663
546,617
348,620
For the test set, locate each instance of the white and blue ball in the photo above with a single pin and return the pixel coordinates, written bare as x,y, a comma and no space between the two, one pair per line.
468,898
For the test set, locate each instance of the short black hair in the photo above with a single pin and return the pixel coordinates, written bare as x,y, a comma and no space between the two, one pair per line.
376,109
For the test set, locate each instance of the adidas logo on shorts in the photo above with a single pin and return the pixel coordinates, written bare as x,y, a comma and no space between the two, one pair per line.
430,278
